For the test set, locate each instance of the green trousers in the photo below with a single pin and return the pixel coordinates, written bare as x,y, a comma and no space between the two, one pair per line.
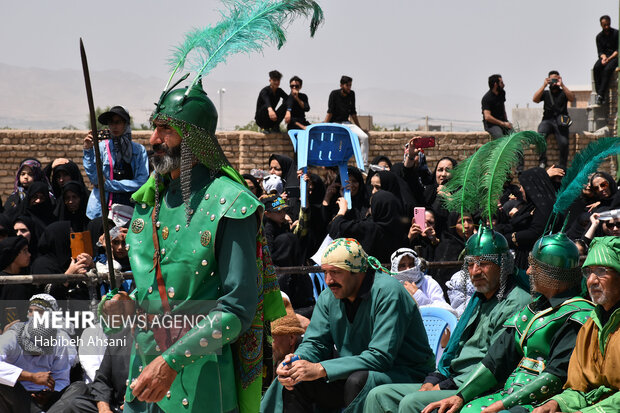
402,398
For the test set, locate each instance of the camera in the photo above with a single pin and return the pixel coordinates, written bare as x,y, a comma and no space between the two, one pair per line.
553,82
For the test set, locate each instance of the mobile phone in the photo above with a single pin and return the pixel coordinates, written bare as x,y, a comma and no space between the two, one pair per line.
426,142
81,242
419,216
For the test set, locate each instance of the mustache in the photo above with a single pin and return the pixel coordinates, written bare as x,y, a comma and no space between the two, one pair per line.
334,285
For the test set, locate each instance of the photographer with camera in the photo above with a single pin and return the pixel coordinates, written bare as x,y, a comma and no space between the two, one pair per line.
555,115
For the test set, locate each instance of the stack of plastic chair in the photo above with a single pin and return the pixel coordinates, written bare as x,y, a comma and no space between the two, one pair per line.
436,320
326,144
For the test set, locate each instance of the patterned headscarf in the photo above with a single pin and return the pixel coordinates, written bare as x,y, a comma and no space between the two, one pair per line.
346,254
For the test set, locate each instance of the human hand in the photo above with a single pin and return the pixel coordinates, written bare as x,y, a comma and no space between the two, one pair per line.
449,405
78,265
553,171
593,206
295,92
120,305
284,370
559,81
546,82
429,233
284,195
88,141
507,125
429,387
287,117
414,231
343,206
303,370
154,381
332,190
594,219
86,259
410,287
604,59
550,407
272,114
495,407
42,378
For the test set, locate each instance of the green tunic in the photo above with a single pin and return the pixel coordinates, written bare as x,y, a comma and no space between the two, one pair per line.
386,338
209,267
531,357
483,327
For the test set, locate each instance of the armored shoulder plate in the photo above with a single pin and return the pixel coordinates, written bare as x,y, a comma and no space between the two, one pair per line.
235,199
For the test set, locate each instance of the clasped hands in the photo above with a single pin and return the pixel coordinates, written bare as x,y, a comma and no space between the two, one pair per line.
298,371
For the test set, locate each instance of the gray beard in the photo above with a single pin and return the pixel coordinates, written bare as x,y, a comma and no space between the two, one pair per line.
169,162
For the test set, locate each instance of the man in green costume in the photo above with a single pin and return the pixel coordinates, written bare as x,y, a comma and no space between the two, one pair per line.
490,267
372,323
593,384
197,255
529,361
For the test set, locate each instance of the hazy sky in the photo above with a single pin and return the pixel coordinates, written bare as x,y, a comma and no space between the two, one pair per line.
422,47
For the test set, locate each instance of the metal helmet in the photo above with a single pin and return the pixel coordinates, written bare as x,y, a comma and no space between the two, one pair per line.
489,245
485,242
555,258
194,107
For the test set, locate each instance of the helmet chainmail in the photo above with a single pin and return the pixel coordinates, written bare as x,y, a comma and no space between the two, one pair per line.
505,261
197,144
550,276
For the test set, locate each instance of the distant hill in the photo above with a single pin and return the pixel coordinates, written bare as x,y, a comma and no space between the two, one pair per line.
35,98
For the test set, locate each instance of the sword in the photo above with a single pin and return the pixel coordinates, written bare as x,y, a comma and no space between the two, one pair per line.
100,180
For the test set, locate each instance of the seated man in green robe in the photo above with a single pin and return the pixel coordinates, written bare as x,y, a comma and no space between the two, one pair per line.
593,383
490,267
529,361
372,323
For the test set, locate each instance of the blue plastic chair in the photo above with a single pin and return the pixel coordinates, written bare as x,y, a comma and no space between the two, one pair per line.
436,320
326,144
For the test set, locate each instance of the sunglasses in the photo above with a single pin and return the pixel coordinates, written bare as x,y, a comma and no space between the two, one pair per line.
611,225
295,86
603,185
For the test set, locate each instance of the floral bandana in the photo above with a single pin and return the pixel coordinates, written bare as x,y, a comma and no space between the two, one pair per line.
346,254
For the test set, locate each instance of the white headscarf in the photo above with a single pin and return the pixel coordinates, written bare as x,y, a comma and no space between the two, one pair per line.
414,274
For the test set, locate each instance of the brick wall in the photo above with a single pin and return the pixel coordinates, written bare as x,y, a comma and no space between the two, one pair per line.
247,150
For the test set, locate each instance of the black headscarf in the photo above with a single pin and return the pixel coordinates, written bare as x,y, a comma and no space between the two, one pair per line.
381,233
613,188
54,249
250,177
35,233
9,250
6,226
72,169
360,201
289,169
398,187
43,212
539,189
78,219
318,190
375,161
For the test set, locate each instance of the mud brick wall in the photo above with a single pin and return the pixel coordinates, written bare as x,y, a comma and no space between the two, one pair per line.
247,150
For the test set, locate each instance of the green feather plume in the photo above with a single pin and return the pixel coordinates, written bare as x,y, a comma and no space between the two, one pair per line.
247,27
462,192
584,156
501,159
571,187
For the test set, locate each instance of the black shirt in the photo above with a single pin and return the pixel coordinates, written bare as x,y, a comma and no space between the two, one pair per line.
296,111
266,98
495,104
555,105
363,294
607,43
341,106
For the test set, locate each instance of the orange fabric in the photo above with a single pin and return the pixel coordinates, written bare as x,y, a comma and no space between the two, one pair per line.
588,368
